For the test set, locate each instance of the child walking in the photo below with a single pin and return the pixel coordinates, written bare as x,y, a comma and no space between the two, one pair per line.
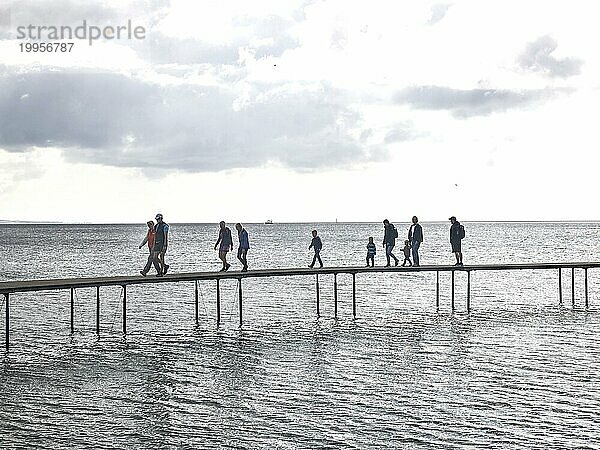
406,251
317,245
371,252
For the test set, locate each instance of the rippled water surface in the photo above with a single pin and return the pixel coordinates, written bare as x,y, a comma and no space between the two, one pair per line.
519,371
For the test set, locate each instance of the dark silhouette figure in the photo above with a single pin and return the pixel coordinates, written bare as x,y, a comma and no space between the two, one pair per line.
161,241
149,239
226,242
456,236
415,237
389,241
371,252
243,247
406,251
317,245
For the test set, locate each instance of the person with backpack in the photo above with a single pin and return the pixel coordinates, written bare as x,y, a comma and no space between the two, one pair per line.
457,234
390,234
224,244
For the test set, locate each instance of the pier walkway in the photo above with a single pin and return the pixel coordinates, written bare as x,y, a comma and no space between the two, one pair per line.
11,287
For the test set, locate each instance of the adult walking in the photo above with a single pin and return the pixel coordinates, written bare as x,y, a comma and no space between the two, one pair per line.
161,242
415,237
149,239
457,233
389,241
243,247
226,243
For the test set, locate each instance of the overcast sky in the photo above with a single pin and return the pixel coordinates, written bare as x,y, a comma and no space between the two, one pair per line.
303,111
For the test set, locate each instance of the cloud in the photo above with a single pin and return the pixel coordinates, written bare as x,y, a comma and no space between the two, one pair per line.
401,132
438,12
114,120
537,57
472,102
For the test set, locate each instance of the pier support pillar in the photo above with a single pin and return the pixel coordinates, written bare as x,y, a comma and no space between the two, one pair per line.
452,304
196,300
437,289
573,287
587,304
560,286
240,301
218,303
7,320
97,309
72,310
335,295
354,295
124,309
318,297
468,290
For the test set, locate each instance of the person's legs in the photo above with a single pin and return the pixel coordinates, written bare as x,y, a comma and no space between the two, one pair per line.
165,266
312,264
415,252
388,251
157,263
223,258
146,268
244,259
460,258
318,256
239,256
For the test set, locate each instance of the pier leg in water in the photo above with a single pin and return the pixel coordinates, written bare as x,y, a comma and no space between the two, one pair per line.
335,296
196,300
318,297
586,289
218,303
240,298
437,289
7,320
560,286
72,308
354,295
468,291
97,309
124,309
573,287
452,291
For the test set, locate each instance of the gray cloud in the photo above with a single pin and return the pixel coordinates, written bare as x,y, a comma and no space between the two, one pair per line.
114,120
438,12
472,102
401,132
538,57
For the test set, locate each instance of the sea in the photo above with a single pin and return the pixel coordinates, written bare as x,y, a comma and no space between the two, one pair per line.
520,370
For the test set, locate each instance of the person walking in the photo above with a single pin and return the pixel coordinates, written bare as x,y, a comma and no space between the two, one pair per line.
415,237
406,251
457,233
161,241
317,245
226,242
149,239
389,241
243,247
371,252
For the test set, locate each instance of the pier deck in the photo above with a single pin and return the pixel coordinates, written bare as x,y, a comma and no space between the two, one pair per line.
10,287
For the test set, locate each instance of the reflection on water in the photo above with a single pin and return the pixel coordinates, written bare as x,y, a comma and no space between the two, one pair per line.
519,371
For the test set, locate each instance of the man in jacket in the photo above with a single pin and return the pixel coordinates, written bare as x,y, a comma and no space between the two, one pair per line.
389,241
415,237
455,240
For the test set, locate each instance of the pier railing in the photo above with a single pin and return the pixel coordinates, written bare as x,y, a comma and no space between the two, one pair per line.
10,287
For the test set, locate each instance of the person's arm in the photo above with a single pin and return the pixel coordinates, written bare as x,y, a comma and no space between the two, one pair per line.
311,244
218,240
410,233
144,241
166,242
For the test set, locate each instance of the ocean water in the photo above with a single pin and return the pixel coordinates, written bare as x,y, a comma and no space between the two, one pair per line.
518,371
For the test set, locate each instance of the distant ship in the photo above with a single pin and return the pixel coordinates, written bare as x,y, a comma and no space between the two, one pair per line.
269,222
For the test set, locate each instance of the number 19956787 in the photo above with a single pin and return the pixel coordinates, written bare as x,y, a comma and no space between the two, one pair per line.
43,47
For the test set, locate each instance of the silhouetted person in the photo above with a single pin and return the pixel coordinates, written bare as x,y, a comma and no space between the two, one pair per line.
456,235
149,239
226,242
244,245
317,245
415,236
389,241
161,241
371,252
406,251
